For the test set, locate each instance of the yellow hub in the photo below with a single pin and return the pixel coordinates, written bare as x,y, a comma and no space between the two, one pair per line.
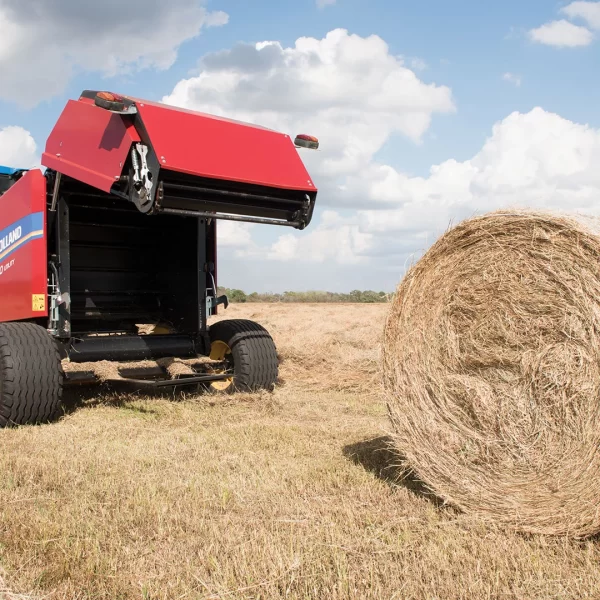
219,350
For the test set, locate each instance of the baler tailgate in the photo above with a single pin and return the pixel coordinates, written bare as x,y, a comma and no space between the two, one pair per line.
165,159
216,148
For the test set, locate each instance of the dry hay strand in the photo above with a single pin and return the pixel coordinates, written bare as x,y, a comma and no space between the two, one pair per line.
175,367
332,365
491,370
104,370
7,594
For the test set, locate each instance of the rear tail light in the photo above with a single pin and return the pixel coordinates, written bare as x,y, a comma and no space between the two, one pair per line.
306,141
114,102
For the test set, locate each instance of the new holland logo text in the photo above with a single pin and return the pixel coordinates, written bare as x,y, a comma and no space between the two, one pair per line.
19,233
8,240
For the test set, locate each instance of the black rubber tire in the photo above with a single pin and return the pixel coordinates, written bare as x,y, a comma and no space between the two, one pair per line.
31,375
253,354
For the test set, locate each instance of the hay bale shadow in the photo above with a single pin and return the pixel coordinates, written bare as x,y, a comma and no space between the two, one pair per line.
379,457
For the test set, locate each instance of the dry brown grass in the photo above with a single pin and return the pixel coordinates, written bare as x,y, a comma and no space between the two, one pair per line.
261,496
333,347
7,594
492,369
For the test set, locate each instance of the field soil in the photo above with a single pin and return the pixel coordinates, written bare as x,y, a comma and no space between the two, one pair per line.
292,494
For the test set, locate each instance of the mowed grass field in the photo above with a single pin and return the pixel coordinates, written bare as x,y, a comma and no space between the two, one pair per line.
286,495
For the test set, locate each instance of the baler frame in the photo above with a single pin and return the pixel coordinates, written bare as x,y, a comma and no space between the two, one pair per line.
123,177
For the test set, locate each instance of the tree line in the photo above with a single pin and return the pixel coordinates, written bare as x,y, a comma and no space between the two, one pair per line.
363,296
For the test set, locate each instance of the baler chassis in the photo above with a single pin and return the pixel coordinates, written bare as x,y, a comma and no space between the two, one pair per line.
111,254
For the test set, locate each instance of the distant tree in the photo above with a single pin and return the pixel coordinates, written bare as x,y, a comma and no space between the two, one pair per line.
237,296
313,296
370,296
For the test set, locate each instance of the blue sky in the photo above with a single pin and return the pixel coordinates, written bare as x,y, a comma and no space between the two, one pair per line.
467,45
465,49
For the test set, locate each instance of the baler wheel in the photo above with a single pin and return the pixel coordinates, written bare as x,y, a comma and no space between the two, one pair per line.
248,352
31,375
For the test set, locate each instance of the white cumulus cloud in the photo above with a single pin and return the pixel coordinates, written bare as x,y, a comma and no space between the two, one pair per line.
17,148
536,159
43,44
335,238
562,34
588,11
233,234
565,34
347,90
353,94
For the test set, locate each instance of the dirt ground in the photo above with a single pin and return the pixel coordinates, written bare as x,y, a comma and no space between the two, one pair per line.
293,494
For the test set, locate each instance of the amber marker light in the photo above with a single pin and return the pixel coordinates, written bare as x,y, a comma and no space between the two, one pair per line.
306,141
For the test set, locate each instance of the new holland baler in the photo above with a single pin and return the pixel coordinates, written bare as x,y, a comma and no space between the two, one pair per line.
120,232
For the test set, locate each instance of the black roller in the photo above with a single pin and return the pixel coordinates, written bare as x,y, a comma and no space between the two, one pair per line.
131,348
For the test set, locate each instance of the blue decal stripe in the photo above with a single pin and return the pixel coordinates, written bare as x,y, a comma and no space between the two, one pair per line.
22,241
30,228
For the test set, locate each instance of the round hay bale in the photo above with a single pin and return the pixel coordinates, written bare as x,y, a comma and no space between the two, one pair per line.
491,367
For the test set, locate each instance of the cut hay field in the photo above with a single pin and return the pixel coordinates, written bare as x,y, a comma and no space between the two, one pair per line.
285,495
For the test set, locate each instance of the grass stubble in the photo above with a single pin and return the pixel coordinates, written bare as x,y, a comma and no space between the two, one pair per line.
295,494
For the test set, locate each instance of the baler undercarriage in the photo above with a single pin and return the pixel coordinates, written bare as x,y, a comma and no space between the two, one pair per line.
111,253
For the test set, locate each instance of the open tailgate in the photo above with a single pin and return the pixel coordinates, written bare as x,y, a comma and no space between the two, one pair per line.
172,160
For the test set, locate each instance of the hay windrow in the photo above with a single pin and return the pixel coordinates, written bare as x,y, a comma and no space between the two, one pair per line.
175,367
491,364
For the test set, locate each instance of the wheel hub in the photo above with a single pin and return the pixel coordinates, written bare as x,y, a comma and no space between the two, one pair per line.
220,351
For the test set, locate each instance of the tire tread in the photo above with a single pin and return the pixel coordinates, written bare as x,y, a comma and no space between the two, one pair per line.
256,364
31,375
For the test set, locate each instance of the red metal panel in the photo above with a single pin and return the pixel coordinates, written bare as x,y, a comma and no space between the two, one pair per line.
23,249
89,144
208,146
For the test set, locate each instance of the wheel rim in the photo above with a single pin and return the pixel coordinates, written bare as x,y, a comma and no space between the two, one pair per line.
220,351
